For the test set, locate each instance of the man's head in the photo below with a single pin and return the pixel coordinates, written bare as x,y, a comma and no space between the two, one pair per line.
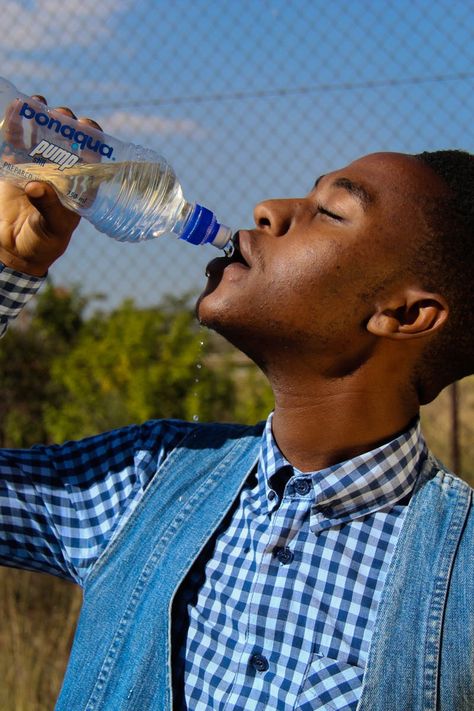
351,278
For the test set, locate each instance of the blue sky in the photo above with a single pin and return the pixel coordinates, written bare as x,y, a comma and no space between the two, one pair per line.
247,99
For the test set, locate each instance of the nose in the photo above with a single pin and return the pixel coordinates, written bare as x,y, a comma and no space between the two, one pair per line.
275,216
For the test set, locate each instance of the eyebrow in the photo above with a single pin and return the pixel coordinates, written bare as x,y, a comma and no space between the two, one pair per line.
355,189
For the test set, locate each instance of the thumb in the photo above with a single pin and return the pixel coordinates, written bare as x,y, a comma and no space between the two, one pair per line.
57,219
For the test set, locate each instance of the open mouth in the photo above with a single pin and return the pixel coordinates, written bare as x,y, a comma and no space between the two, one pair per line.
237,255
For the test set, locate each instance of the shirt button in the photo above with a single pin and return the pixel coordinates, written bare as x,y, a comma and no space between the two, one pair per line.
259,662
285,555
271,494
302,486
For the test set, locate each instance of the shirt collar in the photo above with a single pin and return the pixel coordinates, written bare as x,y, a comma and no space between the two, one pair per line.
356,487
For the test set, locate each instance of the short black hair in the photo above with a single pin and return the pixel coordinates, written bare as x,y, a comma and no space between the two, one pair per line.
446,263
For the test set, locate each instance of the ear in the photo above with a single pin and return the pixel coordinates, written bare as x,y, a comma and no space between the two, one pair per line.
412,314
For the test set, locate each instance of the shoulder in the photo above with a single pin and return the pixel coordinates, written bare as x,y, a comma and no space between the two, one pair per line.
216,434
442,495
435,471
153,438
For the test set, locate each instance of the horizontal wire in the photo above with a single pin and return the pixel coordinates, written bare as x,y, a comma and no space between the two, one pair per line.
286,91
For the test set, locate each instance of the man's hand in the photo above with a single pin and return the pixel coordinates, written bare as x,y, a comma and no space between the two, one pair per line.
35,228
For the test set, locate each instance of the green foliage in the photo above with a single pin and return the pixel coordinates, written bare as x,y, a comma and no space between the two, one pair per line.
24,378
133,365
64,375
59,313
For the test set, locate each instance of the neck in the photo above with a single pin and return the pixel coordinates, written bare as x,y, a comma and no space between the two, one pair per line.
319,423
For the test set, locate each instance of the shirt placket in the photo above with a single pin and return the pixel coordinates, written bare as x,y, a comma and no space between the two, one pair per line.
275,549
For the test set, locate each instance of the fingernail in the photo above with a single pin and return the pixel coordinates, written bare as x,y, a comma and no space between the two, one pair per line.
67,111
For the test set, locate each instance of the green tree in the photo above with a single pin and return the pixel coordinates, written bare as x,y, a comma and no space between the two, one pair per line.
135,364
26,356
24,377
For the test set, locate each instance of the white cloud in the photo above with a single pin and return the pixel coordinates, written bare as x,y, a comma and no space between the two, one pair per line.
147,125
11,68
51,23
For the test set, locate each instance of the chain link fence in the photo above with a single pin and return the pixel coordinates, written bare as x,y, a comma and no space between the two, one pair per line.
247,99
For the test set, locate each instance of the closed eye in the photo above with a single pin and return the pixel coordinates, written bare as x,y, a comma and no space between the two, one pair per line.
323,211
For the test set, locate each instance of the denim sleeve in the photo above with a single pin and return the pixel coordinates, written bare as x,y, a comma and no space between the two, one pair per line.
61,505
16,290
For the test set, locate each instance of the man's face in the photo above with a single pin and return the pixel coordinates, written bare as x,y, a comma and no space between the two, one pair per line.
316,266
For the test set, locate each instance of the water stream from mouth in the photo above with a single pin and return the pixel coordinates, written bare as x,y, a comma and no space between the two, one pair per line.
229,250
197,375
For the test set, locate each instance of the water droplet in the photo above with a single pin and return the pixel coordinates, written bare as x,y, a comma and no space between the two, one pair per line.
199,367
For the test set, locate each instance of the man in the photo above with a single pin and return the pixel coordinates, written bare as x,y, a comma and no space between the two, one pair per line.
324,560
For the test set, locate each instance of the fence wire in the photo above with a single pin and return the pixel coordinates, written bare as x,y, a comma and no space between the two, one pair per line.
247,99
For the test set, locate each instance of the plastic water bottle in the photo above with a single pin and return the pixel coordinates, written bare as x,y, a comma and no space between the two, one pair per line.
126,191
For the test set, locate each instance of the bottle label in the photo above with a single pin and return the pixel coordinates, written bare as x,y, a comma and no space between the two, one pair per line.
79,139
63,158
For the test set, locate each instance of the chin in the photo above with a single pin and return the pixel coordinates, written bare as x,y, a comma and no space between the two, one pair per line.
213,308
216,319
237,332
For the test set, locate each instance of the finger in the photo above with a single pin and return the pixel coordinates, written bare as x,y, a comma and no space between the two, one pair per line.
20,134
90,156
37,190
13,128
90,122
57,219
66,111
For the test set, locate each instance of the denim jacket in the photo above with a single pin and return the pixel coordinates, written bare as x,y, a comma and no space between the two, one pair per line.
422,652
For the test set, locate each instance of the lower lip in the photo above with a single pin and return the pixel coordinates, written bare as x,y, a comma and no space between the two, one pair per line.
236,266
234,271
223,266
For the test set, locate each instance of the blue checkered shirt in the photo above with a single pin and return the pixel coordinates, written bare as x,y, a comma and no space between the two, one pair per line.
16,290
278,610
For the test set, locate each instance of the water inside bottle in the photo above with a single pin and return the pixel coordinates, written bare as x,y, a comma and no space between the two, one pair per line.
128,200
77,186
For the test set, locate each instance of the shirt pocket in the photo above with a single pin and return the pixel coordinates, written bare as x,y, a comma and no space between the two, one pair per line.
330,685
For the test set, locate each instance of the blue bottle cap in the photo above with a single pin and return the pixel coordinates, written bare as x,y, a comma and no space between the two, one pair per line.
201,227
